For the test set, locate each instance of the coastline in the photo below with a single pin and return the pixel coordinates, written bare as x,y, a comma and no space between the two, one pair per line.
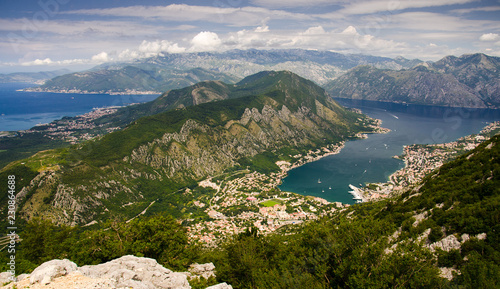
332,149
79,91
420,160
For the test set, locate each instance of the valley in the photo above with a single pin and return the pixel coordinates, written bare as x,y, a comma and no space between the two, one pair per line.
208,160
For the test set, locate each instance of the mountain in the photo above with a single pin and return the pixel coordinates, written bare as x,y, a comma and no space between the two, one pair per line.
130,79
172,71
442,233
264,118
466,81
33,77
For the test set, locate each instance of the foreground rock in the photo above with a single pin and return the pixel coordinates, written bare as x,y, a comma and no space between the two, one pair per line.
125,272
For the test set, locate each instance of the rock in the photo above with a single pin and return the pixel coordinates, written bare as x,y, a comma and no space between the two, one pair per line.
125,272
445,272
221,286
5,277
449,243
137,273
203,270
46,272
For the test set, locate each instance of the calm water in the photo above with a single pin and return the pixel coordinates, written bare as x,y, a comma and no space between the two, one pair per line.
22,110
371,160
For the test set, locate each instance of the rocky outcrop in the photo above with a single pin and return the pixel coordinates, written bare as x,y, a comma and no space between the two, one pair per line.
467,81
125,272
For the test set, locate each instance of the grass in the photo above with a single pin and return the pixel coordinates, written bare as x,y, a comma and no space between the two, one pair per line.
271,203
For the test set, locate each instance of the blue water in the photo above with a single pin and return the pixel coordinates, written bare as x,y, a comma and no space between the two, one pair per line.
21,110
371,159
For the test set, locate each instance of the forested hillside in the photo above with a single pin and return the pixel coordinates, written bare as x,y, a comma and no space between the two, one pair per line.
443,234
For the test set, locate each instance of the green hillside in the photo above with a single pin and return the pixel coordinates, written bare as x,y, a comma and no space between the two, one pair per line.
155,157
442,234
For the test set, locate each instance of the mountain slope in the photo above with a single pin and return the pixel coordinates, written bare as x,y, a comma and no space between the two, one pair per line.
154,157
468,81
442,234
131,79
33,77
172,71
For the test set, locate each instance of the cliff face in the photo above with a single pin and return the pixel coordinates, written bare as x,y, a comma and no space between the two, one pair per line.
157,156
468,81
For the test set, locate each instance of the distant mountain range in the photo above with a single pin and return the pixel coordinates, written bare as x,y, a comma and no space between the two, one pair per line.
468,81
31,77
173,71
188,136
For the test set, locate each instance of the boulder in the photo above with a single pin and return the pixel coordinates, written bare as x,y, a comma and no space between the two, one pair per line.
136,272
49,270
202,270
5,277
221,286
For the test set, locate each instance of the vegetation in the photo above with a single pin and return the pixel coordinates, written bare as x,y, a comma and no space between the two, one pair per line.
356,248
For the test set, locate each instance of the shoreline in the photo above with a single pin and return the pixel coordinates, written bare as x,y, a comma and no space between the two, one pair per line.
78,91
420,160
331,149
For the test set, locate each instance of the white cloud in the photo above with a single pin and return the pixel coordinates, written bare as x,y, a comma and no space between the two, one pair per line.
476,9
152,48
100,58
489,37
244,16
205,41
370,6
292,3
350,31
315,30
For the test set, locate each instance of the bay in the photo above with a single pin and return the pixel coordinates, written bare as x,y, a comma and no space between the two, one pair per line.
371,160
20,110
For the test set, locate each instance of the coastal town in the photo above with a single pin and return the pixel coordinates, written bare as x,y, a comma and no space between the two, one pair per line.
250,199
420,160
247,199
75,129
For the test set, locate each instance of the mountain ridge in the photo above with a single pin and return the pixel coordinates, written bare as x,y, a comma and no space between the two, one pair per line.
467,81
155,156
229,66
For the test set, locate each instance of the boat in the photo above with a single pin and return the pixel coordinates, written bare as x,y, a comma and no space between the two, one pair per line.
319,181
329,188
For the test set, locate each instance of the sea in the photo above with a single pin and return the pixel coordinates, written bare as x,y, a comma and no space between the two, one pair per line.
372,160
20,110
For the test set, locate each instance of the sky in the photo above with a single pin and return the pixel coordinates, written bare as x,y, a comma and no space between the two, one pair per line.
42,35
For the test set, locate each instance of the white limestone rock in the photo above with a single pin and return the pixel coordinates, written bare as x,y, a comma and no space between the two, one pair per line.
221,286
203,270
138,273
50,270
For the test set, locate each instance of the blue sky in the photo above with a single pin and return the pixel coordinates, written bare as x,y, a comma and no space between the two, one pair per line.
52,34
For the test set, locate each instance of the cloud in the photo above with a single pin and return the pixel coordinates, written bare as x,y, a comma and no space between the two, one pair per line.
370,6
489,37
316,30
152,48
205,41
244,16
476,9
292,3
100,58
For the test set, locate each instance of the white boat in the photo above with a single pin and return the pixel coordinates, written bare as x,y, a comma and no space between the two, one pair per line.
329,188
319,181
